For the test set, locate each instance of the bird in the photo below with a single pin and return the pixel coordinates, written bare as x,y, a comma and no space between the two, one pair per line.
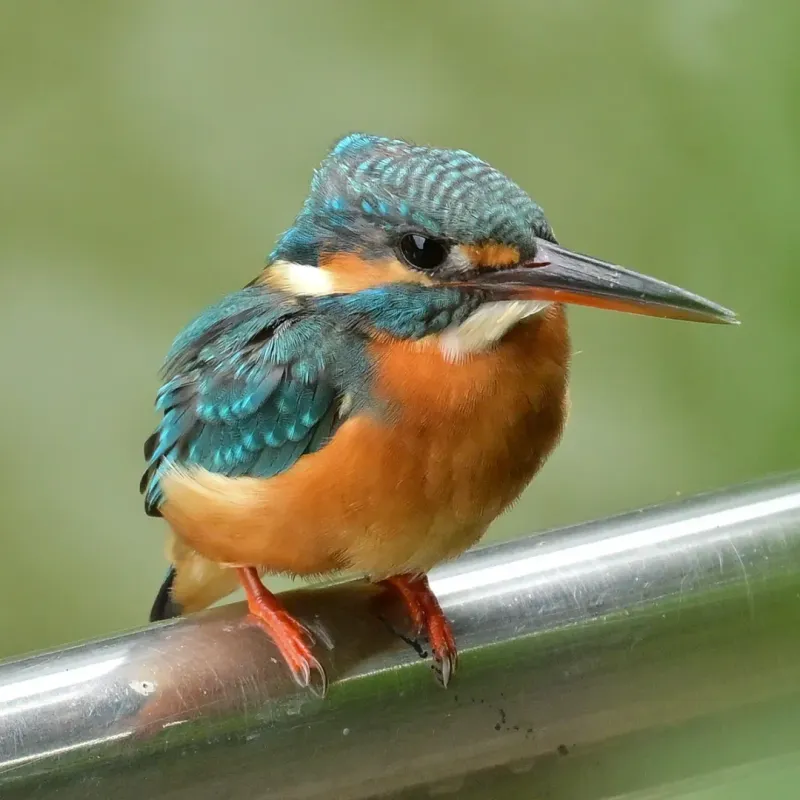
389,383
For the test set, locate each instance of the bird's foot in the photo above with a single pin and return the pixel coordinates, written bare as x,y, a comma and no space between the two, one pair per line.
293,639
426,614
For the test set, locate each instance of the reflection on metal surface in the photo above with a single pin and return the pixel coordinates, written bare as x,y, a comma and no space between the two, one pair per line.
661,648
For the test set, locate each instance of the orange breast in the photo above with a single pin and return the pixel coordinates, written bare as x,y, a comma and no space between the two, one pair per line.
403,491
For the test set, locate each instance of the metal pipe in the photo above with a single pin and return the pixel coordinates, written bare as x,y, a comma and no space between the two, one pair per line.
604,659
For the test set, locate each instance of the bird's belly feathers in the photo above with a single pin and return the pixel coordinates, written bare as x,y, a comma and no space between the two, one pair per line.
403,489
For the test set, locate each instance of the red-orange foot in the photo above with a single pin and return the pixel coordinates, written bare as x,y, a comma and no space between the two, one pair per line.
426,614
291,637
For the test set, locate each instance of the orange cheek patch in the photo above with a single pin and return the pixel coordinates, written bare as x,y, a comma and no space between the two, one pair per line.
491,254
350,273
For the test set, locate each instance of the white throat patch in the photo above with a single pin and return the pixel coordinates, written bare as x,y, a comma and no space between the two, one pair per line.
485,326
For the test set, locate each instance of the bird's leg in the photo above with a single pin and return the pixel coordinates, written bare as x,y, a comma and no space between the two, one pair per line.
426,614
291,637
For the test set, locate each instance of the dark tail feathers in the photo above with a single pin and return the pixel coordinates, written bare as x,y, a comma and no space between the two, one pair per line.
163,606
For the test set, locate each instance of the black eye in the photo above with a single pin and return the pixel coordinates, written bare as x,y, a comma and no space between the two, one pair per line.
423,252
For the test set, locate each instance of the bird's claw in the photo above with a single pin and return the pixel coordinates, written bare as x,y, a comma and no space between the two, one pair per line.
294,642
318,634
426,614
307,671
443,669
443,645
317,682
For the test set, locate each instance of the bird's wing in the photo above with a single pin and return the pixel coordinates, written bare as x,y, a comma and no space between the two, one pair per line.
247,392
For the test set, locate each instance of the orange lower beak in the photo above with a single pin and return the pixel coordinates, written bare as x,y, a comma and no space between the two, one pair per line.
561,276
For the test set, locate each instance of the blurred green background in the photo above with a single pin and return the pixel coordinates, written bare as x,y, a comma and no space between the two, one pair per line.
150,153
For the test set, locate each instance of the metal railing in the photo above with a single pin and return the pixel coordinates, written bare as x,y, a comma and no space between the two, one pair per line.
660,648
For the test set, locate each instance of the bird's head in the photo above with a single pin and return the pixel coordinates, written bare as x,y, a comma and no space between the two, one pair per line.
386,219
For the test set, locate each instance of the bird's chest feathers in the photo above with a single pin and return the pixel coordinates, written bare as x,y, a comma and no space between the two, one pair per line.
413,479
486,420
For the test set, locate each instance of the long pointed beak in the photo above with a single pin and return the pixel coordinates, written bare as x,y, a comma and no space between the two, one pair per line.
561,276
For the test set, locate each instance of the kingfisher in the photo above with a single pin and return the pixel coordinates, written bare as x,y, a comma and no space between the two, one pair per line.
389,383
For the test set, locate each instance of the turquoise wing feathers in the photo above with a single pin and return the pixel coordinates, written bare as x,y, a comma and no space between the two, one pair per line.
248,390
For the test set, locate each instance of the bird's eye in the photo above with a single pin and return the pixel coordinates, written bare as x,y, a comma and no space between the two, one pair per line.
422,252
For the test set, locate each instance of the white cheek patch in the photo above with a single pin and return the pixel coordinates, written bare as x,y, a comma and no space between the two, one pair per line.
301,279
487,325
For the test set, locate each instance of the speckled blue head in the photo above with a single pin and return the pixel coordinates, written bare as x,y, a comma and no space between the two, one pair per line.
370,188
